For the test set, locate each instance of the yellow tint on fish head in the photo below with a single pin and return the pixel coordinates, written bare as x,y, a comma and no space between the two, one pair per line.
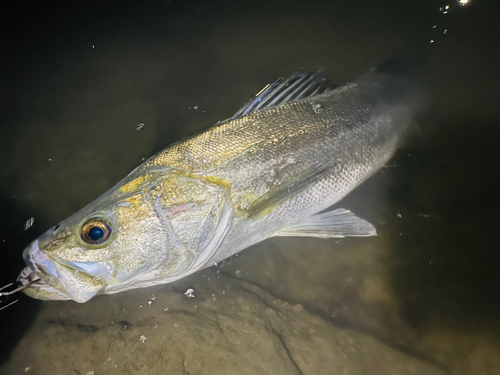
135,184
119,243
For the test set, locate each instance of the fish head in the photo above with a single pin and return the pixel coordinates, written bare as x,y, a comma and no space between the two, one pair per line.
133,236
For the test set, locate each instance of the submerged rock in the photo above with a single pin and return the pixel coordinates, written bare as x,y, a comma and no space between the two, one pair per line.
231,327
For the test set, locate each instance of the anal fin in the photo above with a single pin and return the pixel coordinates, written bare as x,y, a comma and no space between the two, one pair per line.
338,223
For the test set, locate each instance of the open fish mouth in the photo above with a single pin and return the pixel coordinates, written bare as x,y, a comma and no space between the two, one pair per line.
58,279
38,286
30,276
38,266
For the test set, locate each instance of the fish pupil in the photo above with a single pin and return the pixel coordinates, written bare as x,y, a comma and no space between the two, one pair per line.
95,233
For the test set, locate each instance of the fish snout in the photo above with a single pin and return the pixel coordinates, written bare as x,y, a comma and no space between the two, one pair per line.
38,264
60,278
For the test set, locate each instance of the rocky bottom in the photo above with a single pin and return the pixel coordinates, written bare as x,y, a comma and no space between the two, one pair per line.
230,326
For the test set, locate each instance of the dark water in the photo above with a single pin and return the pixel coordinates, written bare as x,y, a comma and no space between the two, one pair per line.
77,80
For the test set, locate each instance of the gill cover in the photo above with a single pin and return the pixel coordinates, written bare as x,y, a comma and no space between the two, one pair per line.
195,214
151,228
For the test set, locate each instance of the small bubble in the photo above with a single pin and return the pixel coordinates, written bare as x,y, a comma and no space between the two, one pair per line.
432,41
445,9
143,159
434,26
189,293
165,309
318,108
93,46
49,159
26,369
140,306
150,303
29,223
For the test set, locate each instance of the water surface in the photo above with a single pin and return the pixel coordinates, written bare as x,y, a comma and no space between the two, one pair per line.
77,81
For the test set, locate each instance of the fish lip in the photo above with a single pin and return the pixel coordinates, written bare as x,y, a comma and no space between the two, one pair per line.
29,275
35,271
45,268
38,264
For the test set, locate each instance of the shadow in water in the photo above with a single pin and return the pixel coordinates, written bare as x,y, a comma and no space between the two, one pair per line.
446,262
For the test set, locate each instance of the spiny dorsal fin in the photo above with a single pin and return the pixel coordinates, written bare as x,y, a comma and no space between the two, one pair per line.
299,86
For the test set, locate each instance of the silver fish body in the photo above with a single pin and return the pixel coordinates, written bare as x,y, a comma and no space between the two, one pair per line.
268,172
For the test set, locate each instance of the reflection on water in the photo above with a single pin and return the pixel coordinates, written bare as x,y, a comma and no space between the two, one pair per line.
420,298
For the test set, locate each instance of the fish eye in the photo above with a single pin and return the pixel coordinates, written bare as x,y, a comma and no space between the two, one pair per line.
95,231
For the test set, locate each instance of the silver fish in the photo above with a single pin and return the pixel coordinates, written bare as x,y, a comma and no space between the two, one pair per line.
294,150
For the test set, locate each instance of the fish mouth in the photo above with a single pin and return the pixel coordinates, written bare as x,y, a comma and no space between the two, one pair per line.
38,288
57,279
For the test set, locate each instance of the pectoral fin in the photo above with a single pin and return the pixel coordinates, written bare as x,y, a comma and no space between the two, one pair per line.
274,197
338,223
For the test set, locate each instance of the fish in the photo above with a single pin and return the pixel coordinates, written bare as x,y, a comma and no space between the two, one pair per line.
274,168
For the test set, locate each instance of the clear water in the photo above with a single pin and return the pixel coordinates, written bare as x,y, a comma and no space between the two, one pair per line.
422,297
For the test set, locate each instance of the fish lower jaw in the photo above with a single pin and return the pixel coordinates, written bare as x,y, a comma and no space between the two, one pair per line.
140,283
39,289
43,291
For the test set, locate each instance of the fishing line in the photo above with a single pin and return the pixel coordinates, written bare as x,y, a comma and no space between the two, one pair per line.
2,294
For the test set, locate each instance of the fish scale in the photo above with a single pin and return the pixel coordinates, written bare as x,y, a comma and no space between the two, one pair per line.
270,170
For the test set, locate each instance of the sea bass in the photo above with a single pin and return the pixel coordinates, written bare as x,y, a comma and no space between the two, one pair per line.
295,149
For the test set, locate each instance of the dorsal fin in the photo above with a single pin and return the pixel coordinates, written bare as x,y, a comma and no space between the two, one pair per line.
300,85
